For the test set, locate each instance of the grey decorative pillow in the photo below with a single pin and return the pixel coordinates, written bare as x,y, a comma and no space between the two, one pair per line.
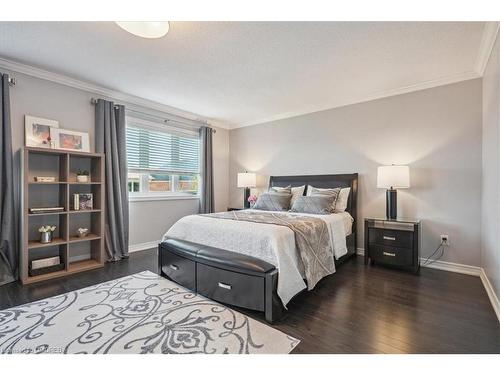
273,202
312,191
283,190
314,204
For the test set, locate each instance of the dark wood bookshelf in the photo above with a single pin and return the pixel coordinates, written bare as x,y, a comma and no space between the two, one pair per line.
62,165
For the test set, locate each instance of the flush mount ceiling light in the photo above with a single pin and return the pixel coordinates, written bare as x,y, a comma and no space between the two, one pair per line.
145,29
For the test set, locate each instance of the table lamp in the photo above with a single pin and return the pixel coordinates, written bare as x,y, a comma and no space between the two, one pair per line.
246,180
392,177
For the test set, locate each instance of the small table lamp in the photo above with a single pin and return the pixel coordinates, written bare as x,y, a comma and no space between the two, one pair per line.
246,180
392,177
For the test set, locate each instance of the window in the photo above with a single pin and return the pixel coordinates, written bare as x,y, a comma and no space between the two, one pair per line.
162,161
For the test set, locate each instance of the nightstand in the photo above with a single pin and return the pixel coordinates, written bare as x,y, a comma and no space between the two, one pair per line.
393,243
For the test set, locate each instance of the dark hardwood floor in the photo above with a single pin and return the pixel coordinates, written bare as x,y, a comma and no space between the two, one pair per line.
357,310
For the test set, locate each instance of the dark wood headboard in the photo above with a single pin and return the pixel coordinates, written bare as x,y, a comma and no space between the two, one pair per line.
324,181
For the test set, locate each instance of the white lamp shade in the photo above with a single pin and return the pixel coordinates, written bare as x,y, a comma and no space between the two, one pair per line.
393,176
247,180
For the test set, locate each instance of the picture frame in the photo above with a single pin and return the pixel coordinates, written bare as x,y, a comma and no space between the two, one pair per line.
38,131
71,140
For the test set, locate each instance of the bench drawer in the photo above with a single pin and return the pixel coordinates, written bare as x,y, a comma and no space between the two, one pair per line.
230,287
389,237
179,269
396,256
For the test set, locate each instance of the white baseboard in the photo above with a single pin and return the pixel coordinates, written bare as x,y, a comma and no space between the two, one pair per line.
491,293
442,265
143,246
452,267
464,269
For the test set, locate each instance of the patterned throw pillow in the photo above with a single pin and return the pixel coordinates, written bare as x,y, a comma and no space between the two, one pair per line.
312,191
283,190
296,192
314,204
273,202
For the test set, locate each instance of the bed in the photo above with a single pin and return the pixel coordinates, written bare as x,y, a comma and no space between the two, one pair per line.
259,263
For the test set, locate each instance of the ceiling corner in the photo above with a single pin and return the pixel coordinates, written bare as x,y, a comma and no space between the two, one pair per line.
488,40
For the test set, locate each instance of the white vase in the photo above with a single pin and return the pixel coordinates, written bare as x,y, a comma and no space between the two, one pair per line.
82,178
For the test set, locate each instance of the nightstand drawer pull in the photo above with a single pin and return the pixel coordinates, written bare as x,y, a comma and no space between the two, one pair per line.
225,286
174,267
389,238
389,254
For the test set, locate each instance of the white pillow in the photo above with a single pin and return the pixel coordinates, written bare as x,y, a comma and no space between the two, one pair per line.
341,204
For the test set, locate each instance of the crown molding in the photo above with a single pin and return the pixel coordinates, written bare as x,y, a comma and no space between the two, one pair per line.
115,95
378,95
487,42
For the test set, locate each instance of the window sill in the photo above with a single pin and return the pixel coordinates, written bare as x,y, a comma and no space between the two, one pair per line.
170,197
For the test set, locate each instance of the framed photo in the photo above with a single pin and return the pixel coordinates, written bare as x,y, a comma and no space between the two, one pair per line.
70,140
38,131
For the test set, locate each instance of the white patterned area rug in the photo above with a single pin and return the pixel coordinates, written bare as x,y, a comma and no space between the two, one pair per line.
141,313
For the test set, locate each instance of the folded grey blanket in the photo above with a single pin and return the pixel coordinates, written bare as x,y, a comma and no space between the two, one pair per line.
311,239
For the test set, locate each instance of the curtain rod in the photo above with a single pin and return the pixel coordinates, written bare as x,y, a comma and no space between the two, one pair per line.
93,101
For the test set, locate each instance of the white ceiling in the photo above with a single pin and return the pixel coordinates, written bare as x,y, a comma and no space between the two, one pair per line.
243,73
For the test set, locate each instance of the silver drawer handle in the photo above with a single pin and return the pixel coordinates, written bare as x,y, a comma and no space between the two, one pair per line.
389,238
174,267
389,254
225,286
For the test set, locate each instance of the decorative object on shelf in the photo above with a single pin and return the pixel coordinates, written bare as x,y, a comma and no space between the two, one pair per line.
83,176
45,262
70,140
247,180
46,232
43,210
252,199
392,177
45,179
83,201
38,131
82,232
45,265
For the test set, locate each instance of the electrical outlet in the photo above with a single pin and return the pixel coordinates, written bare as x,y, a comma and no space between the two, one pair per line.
445,240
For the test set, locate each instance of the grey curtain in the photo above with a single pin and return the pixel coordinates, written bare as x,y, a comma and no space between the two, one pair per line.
207,204
8,236
110,140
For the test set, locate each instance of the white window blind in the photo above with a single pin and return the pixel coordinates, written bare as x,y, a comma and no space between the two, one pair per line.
151,150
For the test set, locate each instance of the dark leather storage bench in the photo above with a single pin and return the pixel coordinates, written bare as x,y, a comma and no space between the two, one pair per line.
224,276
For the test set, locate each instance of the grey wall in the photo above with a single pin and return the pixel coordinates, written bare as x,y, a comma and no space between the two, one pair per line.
148,220
490,251
436,131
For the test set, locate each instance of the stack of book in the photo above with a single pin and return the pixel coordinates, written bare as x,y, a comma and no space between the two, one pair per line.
44,210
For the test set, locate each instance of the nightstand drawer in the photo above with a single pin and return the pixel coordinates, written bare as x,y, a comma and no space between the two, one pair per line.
396,256
389,237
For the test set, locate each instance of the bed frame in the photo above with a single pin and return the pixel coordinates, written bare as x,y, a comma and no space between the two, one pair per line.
238,279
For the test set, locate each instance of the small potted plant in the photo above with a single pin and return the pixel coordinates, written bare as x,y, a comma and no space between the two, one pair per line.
46,232
82,176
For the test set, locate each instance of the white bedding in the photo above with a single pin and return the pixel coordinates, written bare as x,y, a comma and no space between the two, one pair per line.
273,243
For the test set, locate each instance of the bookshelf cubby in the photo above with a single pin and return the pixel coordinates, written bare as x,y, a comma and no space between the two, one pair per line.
77,254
